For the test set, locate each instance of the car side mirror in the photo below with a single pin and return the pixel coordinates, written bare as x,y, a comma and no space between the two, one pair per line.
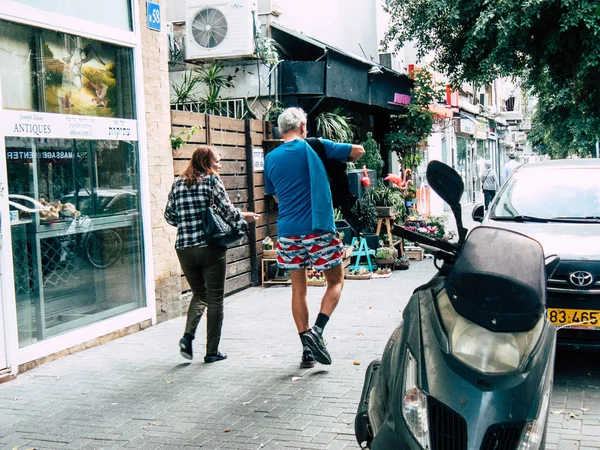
478,212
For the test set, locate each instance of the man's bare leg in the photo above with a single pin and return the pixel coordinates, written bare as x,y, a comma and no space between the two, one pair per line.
299,306
335,284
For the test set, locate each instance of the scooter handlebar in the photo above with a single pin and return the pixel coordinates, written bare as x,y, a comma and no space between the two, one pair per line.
436,243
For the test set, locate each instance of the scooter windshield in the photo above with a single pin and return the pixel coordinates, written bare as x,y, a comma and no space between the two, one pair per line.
498,280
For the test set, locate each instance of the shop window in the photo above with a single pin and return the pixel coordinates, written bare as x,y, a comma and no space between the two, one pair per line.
48,71
116,13
80,259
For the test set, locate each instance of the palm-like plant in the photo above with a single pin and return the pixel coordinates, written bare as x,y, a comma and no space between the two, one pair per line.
335,125
214,80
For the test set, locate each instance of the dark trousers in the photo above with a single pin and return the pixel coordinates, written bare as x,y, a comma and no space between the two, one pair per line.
204,269
488,196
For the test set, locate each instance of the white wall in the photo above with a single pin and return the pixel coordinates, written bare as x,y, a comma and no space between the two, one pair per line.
340,23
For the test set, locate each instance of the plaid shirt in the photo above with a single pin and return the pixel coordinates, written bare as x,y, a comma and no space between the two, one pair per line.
186,204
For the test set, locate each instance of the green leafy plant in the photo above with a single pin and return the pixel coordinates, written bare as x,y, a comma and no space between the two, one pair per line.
274,114
372,158
266,51
384,253
386,196
183,90
180,137
335,125
214,80
367,215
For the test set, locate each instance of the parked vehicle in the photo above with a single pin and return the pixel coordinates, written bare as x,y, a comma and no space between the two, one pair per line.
558,204
471,365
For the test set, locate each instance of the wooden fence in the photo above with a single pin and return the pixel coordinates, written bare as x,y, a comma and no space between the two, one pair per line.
235,140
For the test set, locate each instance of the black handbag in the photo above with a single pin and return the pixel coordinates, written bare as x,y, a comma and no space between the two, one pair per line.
217,231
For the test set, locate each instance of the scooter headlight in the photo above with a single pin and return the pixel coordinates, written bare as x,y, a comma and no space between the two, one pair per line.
532,436
484,350
414,403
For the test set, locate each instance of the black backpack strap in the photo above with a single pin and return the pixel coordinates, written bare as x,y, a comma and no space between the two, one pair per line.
338,182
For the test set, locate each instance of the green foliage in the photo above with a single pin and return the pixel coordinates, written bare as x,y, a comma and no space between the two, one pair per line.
382,195
372,158
409,130
179,138
384,253
335,125
553,45
214,80
266,51
367,215
184,89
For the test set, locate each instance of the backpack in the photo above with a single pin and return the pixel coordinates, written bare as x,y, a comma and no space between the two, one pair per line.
338,182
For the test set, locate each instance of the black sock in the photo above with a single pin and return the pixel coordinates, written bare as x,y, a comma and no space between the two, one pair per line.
320,323
304,347
188,336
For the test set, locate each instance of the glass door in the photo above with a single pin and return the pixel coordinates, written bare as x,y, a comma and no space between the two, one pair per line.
3,350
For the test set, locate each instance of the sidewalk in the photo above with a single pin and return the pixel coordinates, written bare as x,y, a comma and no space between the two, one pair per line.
138,392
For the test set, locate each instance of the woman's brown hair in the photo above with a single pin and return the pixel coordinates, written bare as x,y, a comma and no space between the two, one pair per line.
202,162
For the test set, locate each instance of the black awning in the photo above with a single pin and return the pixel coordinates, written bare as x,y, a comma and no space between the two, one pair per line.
316,72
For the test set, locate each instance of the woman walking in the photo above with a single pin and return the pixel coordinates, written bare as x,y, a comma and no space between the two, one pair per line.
489,184
203,265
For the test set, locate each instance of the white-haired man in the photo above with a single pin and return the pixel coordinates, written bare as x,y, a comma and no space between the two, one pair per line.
296,176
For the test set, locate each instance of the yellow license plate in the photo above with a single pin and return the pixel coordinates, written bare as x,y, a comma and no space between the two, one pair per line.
574,317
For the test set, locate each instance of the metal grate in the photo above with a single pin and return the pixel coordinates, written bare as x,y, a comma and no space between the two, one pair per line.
502,435
448,429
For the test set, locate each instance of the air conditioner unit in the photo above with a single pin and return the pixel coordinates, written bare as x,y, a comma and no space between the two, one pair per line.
390,60
219,29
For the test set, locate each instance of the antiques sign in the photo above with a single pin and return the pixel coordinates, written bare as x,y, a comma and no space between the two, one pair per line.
64,126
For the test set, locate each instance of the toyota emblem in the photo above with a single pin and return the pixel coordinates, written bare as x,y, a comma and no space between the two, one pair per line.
581,278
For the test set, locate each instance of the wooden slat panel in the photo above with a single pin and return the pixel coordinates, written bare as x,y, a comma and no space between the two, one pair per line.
233,153
199,137
238,195
259,192
227,124
233,168
236,283
259,179
235,182
257,140
237,253
179,166
226,138
256,125
187,118
260,206
238,268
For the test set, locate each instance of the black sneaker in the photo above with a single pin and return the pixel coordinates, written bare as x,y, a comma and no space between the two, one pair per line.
308,360
314,341
213,357
185,345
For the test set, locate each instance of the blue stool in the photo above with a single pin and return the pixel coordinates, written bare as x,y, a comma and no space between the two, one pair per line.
363,250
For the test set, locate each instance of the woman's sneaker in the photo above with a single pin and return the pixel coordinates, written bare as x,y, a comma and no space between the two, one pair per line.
185,346
308,360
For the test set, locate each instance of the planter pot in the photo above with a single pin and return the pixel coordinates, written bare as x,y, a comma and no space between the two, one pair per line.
355,185
372,240
276,133
366,276
385,211
401,266
343,226
384,261
320,282
408,203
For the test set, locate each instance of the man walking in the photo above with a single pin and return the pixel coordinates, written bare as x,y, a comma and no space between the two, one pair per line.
489,184
511,165
296,176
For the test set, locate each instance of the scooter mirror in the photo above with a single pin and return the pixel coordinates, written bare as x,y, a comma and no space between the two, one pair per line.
446,182
478,212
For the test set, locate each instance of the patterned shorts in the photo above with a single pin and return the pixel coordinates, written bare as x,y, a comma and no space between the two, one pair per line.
322,251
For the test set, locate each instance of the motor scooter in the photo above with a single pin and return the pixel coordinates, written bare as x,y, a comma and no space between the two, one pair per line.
471,365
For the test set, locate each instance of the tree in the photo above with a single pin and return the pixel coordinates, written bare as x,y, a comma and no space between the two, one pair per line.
409,130
372,158
551,44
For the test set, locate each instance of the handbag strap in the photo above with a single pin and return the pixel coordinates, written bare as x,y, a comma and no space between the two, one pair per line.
211,202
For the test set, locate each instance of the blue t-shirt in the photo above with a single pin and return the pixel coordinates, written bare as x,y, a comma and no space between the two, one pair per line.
287,176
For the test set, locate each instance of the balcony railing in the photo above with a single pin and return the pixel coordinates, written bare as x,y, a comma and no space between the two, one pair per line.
235,108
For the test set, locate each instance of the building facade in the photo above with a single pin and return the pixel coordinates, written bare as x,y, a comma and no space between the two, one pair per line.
85,168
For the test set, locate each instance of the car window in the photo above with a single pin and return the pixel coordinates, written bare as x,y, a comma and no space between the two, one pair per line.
571,193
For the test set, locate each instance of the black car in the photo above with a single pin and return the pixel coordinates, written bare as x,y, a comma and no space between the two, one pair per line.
558,204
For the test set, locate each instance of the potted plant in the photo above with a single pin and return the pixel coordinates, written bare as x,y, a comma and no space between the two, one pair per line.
402,263
367,221
315,278
335,125
361,273
382,272
387,200
272,117
384,255
342,227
